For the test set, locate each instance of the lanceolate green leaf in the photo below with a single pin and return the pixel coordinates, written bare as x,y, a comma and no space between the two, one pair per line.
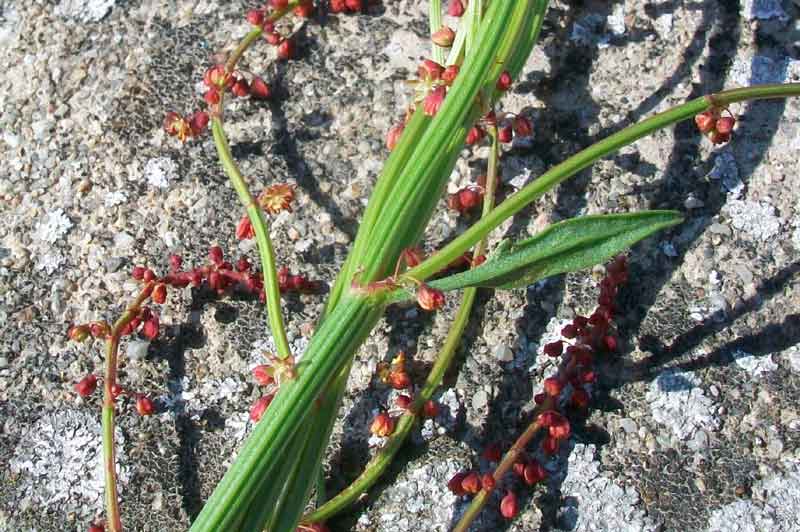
563,247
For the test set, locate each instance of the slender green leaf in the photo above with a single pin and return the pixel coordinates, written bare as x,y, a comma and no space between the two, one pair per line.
563,247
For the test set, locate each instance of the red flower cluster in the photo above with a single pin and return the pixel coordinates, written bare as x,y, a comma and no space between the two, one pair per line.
344,6
718,128
466,199
584,338
288,282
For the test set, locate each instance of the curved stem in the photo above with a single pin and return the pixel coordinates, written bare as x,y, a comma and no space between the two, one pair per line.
584,159
267,254
113,520
254,212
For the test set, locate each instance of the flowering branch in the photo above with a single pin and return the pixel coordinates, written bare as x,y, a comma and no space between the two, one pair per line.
110,391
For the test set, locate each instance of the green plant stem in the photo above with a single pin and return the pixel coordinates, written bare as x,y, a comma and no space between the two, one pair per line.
584,159
383,459
256,214
377,466
435,18
113,519
248,40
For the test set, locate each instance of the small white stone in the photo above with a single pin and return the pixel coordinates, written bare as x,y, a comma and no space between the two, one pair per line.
137,349
754,365
503,353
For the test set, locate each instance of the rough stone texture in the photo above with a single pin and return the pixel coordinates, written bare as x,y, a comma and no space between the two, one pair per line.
90,185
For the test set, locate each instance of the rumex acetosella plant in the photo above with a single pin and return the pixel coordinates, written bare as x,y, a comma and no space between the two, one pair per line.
470,67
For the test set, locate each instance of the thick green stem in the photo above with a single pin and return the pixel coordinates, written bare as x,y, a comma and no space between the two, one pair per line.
584,159
333,345
383,459
265,250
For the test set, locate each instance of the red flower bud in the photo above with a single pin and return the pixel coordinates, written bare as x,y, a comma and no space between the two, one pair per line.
429,70
610,343
430,409
273,37
198,122
138,273
429,298
487,482
382,425
159,293
522,126
508,506
569,331
263,375
241,88
215,255
260,406
554,349
259,89
450,73
286,49
97,527
244,229
99,329
116,390
475,135
86,386
469,198
561,429
549,418
150,328
255,17
280,4
434,100
719,138
399,380
149,276
553,386
705,121
456,8
175,262
354,5
505,134
454,484
304,9
393,136
725,125
534,472
412,257
471,483
443,37
504,81
242,265
144,406
211,96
